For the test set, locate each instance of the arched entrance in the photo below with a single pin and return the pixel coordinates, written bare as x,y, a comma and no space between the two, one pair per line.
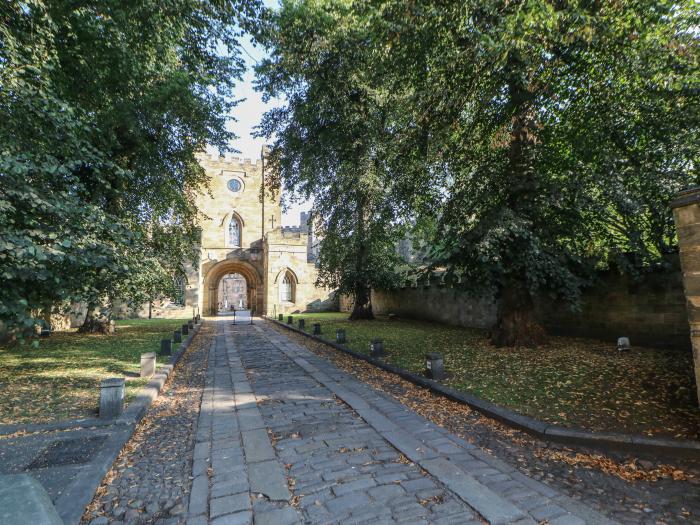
211,300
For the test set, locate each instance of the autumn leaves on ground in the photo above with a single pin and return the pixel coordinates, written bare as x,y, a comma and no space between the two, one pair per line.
60,378
574,382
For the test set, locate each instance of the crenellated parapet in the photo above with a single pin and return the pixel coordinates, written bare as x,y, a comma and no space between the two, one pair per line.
228,161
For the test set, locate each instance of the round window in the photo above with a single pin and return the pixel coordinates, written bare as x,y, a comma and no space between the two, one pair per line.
235,185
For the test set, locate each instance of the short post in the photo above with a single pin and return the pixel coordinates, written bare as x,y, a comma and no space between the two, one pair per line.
317,328
165,347
340,336
290,319
623,344
190,325
185,329
199,318
234,317
148,364
376,348
111,397
177,336
434,367
302,324
280,317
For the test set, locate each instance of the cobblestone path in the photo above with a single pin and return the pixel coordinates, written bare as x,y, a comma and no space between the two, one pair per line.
286,437
149,481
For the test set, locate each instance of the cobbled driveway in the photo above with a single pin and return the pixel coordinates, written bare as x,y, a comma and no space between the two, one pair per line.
286,437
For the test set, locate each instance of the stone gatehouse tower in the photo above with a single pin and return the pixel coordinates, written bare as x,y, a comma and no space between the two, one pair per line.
242,235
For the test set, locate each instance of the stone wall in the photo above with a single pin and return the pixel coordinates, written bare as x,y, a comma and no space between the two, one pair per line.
443,304
286,253
651,311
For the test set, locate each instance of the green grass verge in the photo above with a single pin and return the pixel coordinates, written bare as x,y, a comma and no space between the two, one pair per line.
60,379
574,382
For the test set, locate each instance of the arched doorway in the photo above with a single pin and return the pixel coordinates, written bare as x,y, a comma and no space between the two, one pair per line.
232,293
218,272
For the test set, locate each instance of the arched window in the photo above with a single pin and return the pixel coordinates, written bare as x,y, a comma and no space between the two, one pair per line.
234,233
287,289
180,287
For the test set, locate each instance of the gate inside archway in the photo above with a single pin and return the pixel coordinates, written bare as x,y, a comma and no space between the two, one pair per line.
232,293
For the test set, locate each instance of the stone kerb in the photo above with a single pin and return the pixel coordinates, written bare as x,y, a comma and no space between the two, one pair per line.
686,214
546,431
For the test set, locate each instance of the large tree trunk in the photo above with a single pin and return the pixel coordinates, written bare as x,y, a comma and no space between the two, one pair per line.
362,307
97,321
516,324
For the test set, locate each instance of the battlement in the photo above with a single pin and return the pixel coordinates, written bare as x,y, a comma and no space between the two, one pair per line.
286,233
227,160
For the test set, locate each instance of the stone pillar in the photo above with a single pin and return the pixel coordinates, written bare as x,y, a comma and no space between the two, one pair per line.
686,213
317,328
302,324
165,347
340,336
185,329
148,364
111,397
177,336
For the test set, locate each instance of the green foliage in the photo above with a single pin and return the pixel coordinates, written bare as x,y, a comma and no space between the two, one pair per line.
532,141
328,141
557,133
103,106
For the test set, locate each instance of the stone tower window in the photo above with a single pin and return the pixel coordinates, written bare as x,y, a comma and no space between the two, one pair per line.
287,289
233,239
234,185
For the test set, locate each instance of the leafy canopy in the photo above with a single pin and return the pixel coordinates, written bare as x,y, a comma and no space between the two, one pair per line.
103,106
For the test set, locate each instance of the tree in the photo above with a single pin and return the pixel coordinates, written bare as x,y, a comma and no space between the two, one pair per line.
103,106
557,132
328,142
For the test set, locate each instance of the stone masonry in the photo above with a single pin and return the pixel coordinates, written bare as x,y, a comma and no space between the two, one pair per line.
686,213
286,437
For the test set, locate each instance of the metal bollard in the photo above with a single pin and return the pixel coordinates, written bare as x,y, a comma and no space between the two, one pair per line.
376,348
434,367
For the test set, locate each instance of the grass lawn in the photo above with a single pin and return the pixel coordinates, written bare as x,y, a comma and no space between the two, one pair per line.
60,379
574,382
